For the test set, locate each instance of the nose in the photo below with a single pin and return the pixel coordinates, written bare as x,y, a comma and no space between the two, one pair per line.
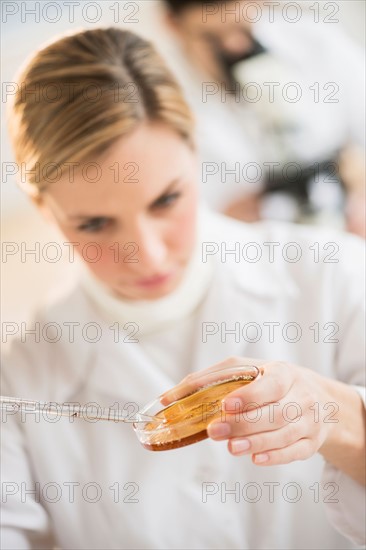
150,250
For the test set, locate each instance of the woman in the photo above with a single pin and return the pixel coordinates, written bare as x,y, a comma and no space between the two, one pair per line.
108,147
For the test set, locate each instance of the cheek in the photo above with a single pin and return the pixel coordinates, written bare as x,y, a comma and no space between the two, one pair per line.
100,257
114,260
106,262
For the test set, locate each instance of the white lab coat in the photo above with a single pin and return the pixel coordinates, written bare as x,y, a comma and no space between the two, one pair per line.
326,108
99,488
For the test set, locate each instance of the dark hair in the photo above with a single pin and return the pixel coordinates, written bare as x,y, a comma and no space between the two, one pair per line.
178,6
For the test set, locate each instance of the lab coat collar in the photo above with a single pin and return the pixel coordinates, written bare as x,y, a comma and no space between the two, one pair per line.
267,283
262,278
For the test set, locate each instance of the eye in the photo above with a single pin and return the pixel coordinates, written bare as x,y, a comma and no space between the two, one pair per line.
94,225
166,200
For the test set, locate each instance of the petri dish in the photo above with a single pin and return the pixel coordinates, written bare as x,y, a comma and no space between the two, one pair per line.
185,421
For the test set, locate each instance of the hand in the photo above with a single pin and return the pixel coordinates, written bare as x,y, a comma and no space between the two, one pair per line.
352,171
356,214
245,209
278,418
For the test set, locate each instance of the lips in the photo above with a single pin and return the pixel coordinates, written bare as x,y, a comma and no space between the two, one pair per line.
154,281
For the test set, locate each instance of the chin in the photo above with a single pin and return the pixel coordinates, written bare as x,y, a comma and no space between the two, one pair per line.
155,295
149,293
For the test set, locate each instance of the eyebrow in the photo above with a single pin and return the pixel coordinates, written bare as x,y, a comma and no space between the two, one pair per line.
170,187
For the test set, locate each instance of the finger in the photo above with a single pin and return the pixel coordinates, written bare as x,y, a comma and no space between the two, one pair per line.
262,442
263,419
195,380
300,450
275,383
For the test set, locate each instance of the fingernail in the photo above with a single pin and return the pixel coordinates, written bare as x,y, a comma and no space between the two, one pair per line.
218,429
240,445
258,459
232,404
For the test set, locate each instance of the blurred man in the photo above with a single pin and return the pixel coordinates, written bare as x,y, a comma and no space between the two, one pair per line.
279,100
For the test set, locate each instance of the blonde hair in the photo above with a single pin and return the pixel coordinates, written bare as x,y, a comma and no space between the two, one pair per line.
81,93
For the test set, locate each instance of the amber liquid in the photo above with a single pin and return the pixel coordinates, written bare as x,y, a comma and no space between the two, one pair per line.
185,421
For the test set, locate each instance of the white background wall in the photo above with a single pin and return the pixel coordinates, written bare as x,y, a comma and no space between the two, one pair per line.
25,281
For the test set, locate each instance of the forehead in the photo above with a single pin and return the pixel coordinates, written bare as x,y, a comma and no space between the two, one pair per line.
134,169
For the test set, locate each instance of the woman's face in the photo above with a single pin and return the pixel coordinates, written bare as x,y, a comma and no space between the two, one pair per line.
140,212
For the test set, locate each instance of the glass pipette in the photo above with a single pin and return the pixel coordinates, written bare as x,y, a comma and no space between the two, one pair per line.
16,404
